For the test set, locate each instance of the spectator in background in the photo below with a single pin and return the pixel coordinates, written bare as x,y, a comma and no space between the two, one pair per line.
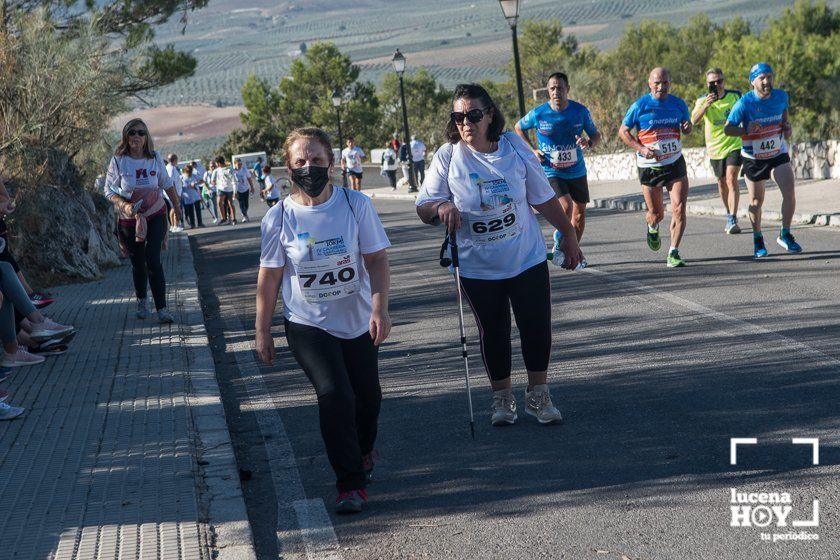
351,159
418,157
258,173
191,197
390,165
225,184
7,206
244,187
405,153
175,177
271,188
394,143
208,192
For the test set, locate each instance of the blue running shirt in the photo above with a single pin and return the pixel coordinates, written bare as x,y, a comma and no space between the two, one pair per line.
658,125
556,131
768,140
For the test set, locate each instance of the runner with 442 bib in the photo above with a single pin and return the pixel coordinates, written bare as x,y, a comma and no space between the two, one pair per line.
560,125
482,185
760,118
659,119
326,246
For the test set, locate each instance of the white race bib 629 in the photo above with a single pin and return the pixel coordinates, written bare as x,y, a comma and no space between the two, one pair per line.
329,279
492,226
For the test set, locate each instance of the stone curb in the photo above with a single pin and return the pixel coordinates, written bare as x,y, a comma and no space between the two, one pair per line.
224,504
634,204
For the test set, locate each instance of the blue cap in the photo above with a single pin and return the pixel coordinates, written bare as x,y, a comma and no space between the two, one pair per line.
758,69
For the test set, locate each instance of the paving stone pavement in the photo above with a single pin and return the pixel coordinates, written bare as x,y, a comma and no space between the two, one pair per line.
123,452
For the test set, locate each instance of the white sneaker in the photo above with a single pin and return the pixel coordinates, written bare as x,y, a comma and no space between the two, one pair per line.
504,408
20,358
539,405
49,329
8,412
177,229
215,221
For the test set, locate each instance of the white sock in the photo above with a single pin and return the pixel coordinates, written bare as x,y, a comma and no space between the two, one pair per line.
672,249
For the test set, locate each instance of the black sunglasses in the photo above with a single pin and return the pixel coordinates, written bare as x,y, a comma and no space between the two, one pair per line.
473,115
715,82
133,132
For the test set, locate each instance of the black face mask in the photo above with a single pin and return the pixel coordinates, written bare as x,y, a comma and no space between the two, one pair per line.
311,179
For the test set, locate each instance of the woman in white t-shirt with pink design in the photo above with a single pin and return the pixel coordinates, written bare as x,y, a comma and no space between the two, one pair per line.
135,183
326,246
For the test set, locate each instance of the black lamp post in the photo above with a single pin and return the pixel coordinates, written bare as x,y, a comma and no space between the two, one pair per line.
399,68
336,101
510,8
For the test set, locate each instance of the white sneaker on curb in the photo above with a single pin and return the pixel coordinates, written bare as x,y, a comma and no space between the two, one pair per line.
504,408
20,358
538,404
8,412
49,329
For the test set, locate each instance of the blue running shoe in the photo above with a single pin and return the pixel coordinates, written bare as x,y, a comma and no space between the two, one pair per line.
732,224
759,250
788,243
556,257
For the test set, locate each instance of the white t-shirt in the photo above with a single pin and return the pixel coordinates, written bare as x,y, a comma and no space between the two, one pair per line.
271,190
499,235
175,176
224,179
353,158
137,179
325,283
242,175
389,153
418,150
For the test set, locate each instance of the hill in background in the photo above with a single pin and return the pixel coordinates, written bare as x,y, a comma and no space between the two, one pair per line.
454,41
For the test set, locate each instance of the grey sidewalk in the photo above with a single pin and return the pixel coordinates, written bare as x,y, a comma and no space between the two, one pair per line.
123,452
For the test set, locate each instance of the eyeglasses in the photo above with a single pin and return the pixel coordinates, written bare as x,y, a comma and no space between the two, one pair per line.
715,82
134,132
473,115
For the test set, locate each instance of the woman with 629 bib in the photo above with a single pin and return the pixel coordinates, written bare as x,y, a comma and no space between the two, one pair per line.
482,186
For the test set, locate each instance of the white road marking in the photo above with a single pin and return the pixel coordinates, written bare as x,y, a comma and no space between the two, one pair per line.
304,529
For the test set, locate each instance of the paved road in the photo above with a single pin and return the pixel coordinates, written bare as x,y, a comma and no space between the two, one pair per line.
654,369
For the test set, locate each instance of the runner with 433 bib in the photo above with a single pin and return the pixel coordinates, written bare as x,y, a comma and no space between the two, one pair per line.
660,119
561,125
760,118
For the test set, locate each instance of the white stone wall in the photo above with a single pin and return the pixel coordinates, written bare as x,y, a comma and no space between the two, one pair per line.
811,160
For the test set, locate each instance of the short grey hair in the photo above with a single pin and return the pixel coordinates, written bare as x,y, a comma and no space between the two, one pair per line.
717,71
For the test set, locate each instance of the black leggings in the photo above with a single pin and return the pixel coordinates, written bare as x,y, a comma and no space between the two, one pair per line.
193,212
145,259
529,294
345,375
242,197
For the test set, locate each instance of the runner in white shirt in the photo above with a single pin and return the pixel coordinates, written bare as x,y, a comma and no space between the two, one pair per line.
244,187
271,192
225,184
351,160
175,176
208,192
326,246
482,185
418,158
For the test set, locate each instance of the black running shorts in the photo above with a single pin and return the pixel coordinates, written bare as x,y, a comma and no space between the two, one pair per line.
577,188
734,159
663,176
760,169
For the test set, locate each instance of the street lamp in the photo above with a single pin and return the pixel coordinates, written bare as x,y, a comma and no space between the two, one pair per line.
510,9
336,101
399,68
